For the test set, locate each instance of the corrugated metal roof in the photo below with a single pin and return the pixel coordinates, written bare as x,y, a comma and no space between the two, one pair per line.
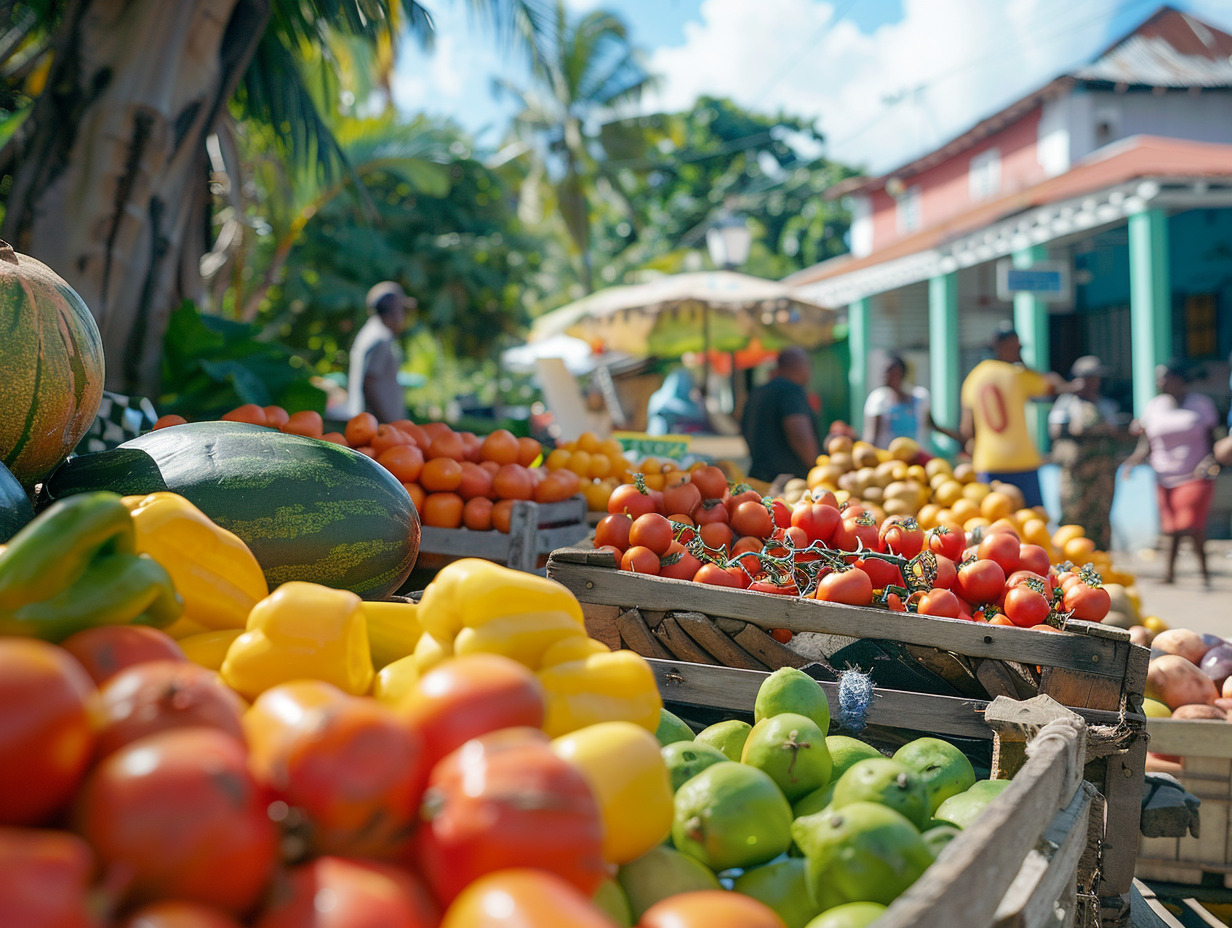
1171,49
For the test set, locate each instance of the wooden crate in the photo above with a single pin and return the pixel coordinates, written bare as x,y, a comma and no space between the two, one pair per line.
1205,749
1032,858
535,530
1094,669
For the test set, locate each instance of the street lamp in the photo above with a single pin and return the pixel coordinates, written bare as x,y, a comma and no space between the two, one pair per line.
728,242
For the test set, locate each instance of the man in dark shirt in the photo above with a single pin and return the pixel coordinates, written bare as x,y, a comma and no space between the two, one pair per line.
778,423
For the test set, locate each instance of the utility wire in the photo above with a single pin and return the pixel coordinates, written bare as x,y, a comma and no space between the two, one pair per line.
808,46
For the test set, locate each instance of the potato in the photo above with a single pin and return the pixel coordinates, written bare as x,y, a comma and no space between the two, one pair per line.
1139,634
1199,712
1224,704
1226,692
1176,681
1119,619
1183,642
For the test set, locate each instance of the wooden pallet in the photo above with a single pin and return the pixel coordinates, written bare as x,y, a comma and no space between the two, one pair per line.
1205,749
535,530
1095,668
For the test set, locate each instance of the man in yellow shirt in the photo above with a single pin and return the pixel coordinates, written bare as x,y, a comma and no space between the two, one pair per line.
994,398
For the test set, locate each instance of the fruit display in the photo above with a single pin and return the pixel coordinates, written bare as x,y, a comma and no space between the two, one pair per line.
701,529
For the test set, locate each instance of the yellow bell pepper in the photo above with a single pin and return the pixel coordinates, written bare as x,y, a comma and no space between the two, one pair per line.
430,651
625,769
522,637
471,592
302,631
214,572
393,630
185,628
394,681
209,649
611,687
572,649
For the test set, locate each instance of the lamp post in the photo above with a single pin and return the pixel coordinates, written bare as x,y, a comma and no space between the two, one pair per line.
728,242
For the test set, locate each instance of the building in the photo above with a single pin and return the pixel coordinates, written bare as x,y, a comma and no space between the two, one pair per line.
1113,183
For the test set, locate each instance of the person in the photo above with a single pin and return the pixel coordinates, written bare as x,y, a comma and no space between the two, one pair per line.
1176,437
994,420
376,355
894,410
1085,434
778,422
675,407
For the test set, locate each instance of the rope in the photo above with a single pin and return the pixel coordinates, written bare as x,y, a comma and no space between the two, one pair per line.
855,695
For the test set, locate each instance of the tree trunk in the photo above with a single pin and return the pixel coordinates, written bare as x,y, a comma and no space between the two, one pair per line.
111,185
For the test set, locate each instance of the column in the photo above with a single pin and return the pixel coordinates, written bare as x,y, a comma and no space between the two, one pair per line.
857,371
1031,323
1150,300
943,351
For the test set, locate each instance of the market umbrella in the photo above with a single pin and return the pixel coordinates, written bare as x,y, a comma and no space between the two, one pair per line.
580,357
698,312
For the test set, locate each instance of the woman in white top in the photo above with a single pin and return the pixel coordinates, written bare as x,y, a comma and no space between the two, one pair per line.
896,410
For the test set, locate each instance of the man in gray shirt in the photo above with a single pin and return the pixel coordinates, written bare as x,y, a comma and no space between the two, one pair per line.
376,355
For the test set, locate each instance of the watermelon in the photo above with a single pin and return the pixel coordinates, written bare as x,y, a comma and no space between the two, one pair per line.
309,509
15,508
52,383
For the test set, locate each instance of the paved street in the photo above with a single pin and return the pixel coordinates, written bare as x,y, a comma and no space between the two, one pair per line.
1186,604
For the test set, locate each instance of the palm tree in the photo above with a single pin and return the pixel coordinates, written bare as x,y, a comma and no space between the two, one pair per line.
108,151
581,72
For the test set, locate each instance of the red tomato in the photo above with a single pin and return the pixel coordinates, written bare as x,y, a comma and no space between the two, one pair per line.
1020,577
613,530
47,713
175,914
628,498
714,575
1088,603
894,603
470,696
766,585
717,536
1001,547
711,510
684,529
946,541
505,800
711,482
782,635
522,899
981,581
1025,607
180,814
781,512
751,517
352,767
684,565
795,538
939,602
360,894
640,560
947,573
45,880
651,531
855,532
106,650
1033,558
881,573
819,520
682,498
899,535
710,908
851,586
747,495
154,697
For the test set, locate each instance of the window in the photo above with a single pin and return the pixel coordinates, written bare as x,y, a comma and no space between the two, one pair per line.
1201,326
985,174
909,210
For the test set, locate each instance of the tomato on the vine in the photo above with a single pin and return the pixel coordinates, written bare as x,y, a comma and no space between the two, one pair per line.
711,510
856,532
818,520
651,531
751,517
901,535
1026,606
682,498
684,528
640,560
781,512
880,572
710,481
851,586
1089,603
714,575
629,499
678,563
766,585
940,603
1033,558
1001,547
946,541
980,581
613,530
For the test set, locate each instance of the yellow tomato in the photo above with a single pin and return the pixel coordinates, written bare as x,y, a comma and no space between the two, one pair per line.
596,494
611,448
600,466
625,769
1066,533
557,459
588,442
1154,624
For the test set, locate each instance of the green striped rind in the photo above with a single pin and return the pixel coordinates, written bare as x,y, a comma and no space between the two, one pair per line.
15,508
52,385
309,510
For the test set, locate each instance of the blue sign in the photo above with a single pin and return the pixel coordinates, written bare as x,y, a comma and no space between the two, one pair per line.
1044,280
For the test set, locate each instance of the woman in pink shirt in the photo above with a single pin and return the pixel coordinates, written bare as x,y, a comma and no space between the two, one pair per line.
1176,436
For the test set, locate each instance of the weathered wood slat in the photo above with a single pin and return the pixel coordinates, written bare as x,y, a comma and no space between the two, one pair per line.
601,624
1196,737
635,634
705,633
766,649
685,648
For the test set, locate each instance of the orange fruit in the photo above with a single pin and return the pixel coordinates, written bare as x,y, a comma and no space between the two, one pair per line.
528,451
441,475
417,495
476,481
442,510
447,445
361,429
513,481
500,446
557,459
403,461
502,515
477,514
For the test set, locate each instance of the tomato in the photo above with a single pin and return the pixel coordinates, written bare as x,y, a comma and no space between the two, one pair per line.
734,500
1088,603
946,541
175,914
523,899
782,635
710,481
305,422
651,531
781,512
684,528
881,573
248,412
851,586
629,499
710,908
766,585
939,602
710,511
469,696
795,538
901,536
349,764
1001,547
500,446
106,650
751,517
717,536
442,510
506,800
819,520
1020,577
182,816
682,498
404,461
361,429
613,530
1034,558
894,603
160,695
684,565
47,712
714,575
640,560
45,879
335,892
947,573
1025,607
981,581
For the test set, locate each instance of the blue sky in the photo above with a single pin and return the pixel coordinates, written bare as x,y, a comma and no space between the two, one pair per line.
884,79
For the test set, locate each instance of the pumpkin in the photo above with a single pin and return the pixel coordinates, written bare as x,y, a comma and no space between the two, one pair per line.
53,379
